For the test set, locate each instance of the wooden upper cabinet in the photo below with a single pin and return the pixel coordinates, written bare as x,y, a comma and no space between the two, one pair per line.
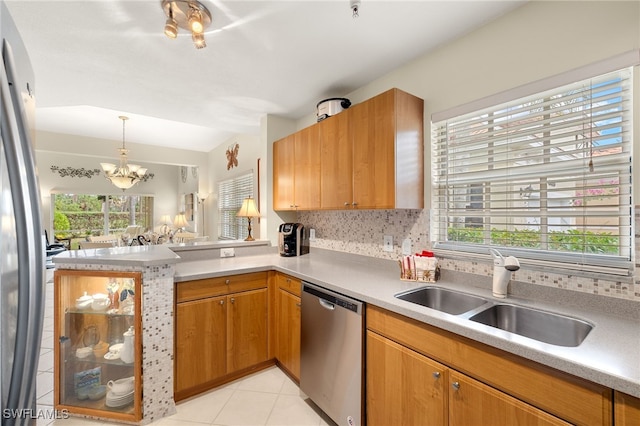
283,173
388,151
336,174
307,169
370,156
296,171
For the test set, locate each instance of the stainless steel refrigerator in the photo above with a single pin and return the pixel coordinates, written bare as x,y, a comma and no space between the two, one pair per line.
22,251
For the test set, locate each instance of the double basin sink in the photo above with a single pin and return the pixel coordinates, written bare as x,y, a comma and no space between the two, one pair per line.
543,326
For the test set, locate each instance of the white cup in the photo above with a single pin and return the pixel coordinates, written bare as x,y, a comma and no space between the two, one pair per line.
121,386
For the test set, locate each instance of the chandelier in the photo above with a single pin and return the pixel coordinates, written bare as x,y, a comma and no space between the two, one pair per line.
127,175
190,15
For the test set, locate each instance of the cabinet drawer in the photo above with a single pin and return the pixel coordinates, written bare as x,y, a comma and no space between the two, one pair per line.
290,284
212,287
566,396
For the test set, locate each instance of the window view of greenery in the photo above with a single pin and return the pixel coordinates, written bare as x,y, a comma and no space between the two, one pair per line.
547,173
77,216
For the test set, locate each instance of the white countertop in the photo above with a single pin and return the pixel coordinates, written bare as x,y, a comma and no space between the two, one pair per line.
610,354
125,256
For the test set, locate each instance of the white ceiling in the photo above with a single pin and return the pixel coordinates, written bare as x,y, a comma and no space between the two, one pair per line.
97,59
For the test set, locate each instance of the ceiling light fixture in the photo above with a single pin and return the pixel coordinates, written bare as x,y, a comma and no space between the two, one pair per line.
127,175
190,15
171,26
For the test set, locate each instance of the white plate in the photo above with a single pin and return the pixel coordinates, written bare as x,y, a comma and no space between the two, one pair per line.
112,355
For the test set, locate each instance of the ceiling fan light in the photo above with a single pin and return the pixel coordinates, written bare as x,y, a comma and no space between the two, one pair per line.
198,40
171,28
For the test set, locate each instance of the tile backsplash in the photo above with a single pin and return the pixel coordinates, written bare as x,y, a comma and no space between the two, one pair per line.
361,232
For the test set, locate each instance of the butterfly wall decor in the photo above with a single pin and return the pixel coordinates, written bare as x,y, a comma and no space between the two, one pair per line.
232,156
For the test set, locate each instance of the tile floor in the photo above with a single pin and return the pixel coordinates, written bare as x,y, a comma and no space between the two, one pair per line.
268,397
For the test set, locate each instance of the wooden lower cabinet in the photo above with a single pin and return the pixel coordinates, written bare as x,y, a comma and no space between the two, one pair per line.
472,402
626,410
201,341
287,345
403,386
218,334
409,363
247,329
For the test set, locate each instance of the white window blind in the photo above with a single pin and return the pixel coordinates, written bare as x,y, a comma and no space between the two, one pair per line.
230,195
546,178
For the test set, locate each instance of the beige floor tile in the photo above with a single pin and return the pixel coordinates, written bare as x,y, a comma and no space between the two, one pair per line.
247,408
45,362
292,410
269,380
44,384
289,388
204,408
46,399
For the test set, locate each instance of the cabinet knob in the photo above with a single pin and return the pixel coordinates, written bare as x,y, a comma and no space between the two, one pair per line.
298,304
233,300
227,281
455,385
346,204
436,374
288,280
291,205
354,204
222,302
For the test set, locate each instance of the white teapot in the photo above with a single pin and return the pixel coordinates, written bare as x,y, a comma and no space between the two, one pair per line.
127,353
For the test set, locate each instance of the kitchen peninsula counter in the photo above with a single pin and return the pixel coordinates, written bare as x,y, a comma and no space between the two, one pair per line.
610,355
157,266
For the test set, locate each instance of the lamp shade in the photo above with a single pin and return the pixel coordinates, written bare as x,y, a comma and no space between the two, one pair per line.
248,208
180,221
165,219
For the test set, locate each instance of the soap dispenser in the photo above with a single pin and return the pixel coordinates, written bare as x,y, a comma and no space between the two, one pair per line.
127,353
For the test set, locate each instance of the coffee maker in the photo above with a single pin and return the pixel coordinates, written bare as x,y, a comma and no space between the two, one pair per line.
293,239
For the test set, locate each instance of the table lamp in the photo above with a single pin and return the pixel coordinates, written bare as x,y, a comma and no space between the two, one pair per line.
248,210
180,222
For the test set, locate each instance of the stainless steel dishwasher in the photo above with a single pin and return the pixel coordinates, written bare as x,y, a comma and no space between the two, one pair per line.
331,354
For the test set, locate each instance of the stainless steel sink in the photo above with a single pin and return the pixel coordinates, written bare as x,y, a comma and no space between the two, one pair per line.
543,326
451,302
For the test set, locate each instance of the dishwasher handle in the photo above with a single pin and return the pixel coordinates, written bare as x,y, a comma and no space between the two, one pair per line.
332,300
327,305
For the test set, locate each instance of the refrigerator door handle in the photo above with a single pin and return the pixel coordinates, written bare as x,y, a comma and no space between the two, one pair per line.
26,198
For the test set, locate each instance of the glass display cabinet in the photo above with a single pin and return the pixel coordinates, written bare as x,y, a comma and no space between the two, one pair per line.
98,353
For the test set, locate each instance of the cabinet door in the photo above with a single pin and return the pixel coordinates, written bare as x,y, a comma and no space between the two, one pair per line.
472,402
372,131
336,179
200,342
283,173
307,169
403,386
288,332
627,410
247,329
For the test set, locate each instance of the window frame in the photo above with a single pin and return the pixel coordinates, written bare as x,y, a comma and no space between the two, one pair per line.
621,265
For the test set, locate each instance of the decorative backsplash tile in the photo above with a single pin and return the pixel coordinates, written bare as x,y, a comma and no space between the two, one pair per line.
361,232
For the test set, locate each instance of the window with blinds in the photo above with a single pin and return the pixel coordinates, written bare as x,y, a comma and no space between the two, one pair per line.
546,178
230,195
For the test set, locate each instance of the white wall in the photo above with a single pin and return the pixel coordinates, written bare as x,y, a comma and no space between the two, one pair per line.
251,153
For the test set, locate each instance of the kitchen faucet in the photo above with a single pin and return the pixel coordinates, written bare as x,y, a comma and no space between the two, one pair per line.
502,269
